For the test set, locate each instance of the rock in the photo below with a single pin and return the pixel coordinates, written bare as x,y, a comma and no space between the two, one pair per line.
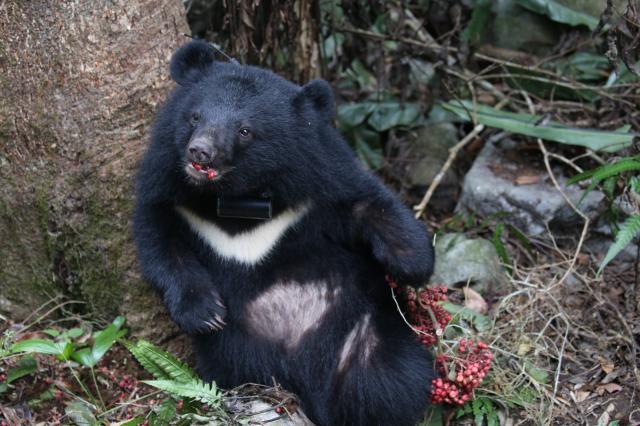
502,180
517,28
261,412
592,7
430,151
598,246
601,237
422,72
427,155
460,260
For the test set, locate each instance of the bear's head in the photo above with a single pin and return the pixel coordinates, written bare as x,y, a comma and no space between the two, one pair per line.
239,129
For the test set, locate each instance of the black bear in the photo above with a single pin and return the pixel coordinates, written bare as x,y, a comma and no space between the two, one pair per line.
269,243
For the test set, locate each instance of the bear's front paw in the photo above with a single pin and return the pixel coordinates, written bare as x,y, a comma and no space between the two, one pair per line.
407,260
201,312
413,270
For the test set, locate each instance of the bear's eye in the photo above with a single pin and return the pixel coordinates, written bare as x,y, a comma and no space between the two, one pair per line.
195,117
244,132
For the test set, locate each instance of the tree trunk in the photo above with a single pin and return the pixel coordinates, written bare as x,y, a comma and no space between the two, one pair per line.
80,83
282,35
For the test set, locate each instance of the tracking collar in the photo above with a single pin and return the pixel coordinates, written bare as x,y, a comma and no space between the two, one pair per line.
244,208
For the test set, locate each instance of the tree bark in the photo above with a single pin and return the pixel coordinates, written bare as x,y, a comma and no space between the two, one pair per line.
80,83
282,35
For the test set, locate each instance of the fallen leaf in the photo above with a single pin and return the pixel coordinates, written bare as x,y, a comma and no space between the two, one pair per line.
474,301
524,345
606,364
580,396
609,387
527,179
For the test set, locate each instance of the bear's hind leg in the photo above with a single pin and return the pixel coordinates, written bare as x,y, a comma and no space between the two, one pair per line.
380,379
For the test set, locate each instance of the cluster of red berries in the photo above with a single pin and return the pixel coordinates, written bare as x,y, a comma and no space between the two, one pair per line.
462,375
422,308
127,383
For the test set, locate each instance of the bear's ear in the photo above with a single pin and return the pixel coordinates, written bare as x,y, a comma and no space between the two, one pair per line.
320,95
190,62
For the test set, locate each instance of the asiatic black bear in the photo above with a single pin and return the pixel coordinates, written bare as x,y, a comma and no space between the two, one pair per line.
269,243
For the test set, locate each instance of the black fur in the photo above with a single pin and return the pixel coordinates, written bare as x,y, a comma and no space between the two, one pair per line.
354,233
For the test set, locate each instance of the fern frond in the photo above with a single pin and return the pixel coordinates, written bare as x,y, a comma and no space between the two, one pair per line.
629,229
206,393
581,176
161,364
606,171
599,173
615,169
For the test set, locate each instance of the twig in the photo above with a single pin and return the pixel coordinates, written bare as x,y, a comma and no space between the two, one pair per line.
415,330
587,221
552,175
557,378
453,152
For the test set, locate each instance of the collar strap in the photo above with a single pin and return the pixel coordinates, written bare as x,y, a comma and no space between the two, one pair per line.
244,208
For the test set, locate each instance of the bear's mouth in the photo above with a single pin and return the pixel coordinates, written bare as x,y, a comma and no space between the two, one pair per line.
203,171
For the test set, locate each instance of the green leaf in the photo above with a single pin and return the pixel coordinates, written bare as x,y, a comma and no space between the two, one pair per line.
41,346
84,357
609,170
3,387
387,115
380,116
560,13
491,412
478,23
500,248
352,115
479,321
26,365
167,412
46,395
609,186
162,365
137,421
51,332
527,124
103,341
106,338
520,236
74,333
525,396
433,416
629,229
584,66
478,412
332,43
581,176
80,414
536,374
368,154
206,393
361,75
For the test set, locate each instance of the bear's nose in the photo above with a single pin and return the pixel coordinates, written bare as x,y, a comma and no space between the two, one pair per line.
201,153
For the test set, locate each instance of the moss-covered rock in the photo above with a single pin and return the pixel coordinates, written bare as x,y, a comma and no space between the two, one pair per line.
461,260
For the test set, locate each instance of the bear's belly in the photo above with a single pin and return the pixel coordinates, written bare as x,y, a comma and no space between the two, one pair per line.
286,312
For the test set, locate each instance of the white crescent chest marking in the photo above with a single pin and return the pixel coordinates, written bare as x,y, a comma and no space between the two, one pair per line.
249,247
